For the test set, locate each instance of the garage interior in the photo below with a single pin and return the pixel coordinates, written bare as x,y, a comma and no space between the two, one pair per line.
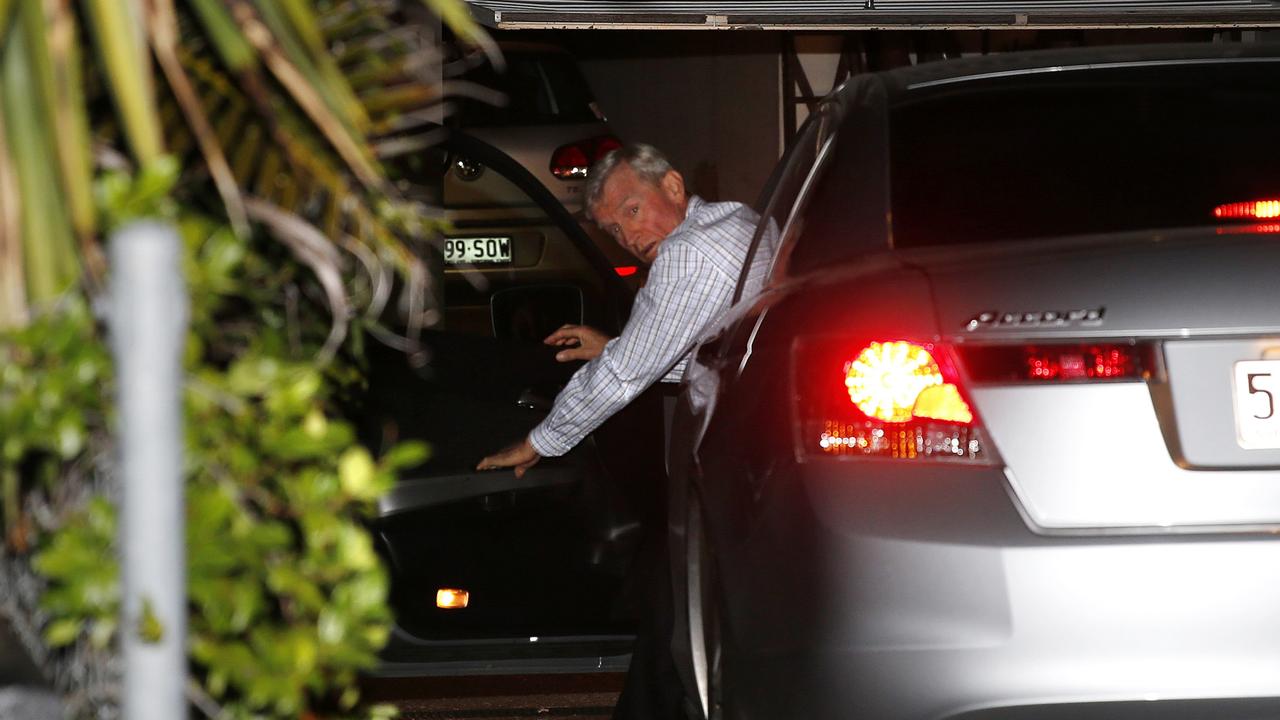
722,93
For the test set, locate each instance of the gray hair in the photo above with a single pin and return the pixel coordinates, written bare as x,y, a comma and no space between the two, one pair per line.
646,161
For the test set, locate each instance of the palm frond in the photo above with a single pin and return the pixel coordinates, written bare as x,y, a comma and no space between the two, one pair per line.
49,255
13,281
281,100
66,99
162,23
122,48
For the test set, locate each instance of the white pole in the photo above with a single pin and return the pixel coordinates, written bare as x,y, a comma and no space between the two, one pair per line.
148,331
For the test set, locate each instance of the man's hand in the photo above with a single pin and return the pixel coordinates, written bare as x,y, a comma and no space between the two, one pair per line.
520,456
583,343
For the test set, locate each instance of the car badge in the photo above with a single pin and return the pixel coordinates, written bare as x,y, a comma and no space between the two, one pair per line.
995,320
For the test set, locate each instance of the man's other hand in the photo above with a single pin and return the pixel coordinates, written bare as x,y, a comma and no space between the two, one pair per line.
581,342
520,456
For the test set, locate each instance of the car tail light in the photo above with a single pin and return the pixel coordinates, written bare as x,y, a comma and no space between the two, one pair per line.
626,270
1258,229
892,398
573,161
1252,210
1058,362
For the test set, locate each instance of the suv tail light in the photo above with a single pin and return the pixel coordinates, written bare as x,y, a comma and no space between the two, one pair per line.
893,399
573,161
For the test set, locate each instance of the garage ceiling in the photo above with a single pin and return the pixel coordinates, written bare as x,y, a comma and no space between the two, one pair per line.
873,14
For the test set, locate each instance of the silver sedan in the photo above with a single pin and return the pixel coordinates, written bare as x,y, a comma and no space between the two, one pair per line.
1000,436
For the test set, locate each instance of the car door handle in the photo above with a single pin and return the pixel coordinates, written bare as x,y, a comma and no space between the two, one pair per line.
533,401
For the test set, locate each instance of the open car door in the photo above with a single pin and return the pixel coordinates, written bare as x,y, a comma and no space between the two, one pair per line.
542,559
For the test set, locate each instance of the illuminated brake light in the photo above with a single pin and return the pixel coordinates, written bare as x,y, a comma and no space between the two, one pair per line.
626,270
1069,362
887,381
574,161
1253,210
894,399
452,598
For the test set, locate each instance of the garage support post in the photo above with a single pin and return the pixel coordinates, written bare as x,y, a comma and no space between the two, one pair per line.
148,323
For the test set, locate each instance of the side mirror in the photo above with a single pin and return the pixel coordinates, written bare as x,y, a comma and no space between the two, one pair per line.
533,312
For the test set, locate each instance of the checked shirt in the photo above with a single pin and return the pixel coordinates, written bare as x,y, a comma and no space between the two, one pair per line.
690,284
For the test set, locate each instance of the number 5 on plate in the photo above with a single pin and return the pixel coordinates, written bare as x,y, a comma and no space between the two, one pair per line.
1257,392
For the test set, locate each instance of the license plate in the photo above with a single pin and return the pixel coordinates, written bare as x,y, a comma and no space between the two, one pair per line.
1257,403
474,251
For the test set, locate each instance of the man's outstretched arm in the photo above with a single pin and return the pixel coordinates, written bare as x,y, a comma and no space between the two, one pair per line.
683,295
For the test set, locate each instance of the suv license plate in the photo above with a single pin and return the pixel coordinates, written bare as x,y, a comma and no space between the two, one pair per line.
474,251
1257,404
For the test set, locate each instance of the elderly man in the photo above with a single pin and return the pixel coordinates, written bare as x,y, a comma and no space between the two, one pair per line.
695,250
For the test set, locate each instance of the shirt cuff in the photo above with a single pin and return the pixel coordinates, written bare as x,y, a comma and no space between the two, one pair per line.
546,443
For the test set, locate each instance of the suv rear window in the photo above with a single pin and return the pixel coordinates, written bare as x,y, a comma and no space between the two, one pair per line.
1089,151
541,89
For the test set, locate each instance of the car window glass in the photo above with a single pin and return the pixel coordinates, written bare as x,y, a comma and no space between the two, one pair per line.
500,238
795,225
797,167
539,89
1053,155
470,185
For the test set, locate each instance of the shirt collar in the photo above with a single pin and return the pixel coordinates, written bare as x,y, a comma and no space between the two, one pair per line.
695,202
694,205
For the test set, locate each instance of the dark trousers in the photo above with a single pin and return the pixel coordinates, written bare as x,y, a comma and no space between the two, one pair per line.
653,690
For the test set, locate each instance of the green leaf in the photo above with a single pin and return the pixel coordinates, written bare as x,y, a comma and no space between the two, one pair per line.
216,682
331,628
157,179
315,425
358,474
70,436
63,632
407,454
101,632
349,698
355,548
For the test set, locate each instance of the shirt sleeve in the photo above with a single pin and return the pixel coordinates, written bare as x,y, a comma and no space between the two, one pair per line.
684,294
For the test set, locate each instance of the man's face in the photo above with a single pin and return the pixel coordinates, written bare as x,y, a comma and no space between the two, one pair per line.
639,214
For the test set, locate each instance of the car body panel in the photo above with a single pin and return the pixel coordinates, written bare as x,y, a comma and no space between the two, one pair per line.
1127,276
893,613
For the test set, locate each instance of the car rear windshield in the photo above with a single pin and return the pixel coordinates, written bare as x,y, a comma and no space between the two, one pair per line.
1083,151
540,89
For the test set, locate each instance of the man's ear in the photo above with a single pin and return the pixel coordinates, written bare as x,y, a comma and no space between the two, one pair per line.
673,186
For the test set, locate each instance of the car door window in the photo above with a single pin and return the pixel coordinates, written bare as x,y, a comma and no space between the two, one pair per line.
781,218
504,231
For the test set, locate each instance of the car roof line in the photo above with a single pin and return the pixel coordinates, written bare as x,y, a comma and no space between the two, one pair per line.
1085,66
